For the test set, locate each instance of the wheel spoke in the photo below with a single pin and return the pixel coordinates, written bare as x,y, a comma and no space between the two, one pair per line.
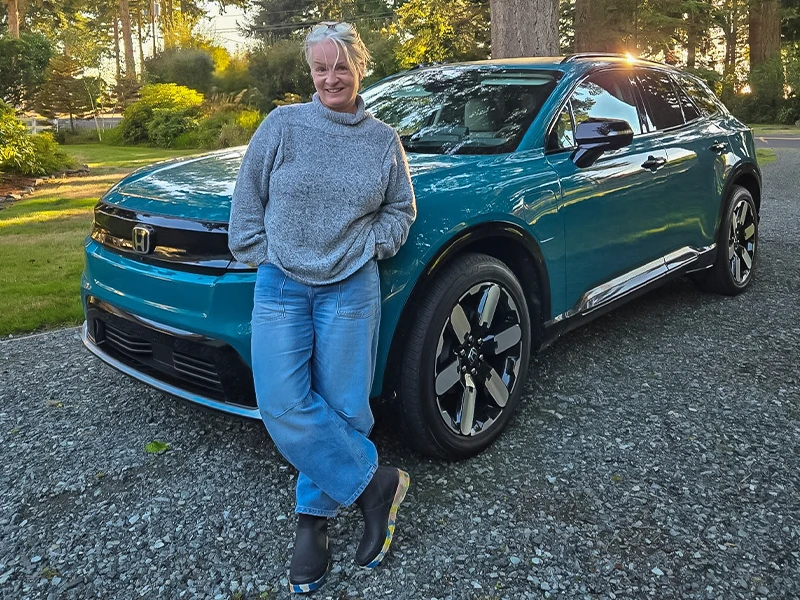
488,305
460,323
496,388
506,339
468,405
447,378
748,260
737,268
745,208
749,232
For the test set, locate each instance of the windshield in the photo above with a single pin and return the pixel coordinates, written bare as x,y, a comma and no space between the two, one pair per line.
461,110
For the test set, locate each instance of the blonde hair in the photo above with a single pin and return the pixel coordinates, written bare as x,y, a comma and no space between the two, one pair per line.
348,43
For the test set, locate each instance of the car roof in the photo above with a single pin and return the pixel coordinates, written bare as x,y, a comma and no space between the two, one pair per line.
585,60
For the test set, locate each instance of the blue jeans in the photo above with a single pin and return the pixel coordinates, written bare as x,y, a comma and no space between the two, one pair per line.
313,356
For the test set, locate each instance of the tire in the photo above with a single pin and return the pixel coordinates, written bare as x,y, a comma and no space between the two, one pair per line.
737,241
444,371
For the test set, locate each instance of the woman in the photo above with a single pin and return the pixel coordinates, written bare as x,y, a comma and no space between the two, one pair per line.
322,194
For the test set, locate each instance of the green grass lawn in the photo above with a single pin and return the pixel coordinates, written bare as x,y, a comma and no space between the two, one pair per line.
41,239
772,128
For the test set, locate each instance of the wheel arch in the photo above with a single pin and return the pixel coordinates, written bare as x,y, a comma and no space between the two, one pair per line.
748,176
505,241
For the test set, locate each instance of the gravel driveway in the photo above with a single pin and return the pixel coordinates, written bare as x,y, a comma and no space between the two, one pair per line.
657,455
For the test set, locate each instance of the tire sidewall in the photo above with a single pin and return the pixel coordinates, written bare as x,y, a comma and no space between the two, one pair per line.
739,193
453,445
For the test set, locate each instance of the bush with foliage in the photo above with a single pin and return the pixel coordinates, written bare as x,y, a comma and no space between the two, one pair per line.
28,154
278,69
163,112
189,67
224,126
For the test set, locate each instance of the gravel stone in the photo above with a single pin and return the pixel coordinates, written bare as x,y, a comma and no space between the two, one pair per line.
656,454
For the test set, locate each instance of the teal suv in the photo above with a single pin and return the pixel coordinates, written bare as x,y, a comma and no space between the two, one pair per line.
549,191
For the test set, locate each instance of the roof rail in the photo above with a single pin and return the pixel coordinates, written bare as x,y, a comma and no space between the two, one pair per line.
578,55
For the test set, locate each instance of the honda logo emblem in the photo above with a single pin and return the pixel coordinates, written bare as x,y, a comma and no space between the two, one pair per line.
143,239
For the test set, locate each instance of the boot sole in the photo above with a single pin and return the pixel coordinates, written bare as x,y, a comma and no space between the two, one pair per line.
305,588
399,496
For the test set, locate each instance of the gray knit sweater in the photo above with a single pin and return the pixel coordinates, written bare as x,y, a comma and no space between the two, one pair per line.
320,193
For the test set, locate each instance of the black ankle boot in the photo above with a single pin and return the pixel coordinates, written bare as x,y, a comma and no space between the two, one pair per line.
378,503
310,560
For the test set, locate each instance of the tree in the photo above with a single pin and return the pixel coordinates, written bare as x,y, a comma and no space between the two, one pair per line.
605,26
23,62
64,91
185,66
12,12
279,69
441,30
524,28
127,39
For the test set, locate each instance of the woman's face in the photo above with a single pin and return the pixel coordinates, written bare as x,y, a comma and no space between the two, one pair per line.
336,85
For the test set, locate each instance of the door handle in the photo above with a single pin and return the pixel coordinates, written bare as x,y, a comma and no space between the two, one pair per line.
654,163
719,147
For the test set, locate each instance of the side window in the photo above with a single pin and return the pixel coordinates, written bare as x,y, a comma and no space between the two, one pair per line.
702,97
606,95
562,135
663,105
690,112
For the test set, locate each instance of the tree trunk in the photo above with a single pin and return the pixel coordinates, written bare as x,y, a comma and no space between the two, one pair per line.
139,38
127,39
691,47
765,31
598,28
153,25
116,48
524,28
12,8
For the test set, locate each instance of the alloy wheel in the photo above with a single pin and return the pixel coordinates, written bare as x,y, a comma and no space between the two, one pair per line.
478,359
742,242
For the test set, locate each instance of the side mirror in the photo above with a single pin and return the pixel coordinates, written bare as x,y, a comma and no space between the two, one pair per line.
597,136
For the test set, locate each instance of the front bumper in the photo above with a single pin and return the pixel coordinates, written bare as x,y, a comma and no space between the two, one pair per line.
186,334
178,363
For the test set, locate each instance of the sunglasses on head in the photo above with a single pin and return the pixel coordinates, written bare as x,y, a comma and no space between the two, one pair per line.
339,26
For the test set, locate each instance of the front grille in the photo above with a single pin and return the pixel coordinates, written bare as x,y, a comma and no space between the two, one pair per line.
199,365
184,244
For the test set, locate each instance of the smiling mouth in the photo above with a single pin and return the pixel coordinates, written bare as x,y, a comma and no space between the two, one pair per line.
333,90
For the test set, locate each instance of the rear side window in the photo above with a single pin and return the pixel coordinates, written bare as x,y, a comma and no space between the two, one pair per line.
690,112
606,95
702,97
661,100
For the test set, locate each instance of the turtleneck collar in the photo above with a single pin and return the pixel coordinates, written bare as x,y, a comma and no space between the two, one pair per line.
344,118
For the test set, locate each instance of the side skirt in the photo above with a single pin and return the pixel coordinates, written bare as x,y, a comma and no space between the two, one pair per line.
604,298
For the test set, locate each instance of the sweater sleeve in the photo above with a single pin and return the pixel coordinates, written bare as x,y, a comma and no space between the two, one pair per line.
247,238
399,209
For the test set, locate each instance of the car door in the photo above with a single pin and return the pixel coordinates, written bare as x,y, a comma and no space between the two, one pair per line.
695,147
610,209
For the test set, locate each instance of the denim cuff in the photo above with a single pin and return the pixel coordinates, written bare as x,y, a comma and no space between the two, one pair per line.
372,469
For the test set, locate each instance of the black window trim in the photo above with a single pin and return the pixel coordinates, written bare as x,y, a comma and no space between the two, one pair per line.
675,84
603,69
721,108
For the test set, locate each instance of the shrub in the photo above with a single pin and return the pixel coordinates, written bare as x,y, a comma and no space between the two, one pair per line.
231,134
16,148
50,158
28,154
167,125
163,109
188,67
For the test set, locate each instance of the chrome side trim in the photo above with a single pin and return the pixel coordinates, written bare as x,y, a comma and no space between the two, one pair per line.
162,386
621,286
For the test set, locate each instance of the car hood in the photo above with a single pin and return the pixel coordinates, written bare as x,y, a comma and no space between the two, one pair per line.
200,187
